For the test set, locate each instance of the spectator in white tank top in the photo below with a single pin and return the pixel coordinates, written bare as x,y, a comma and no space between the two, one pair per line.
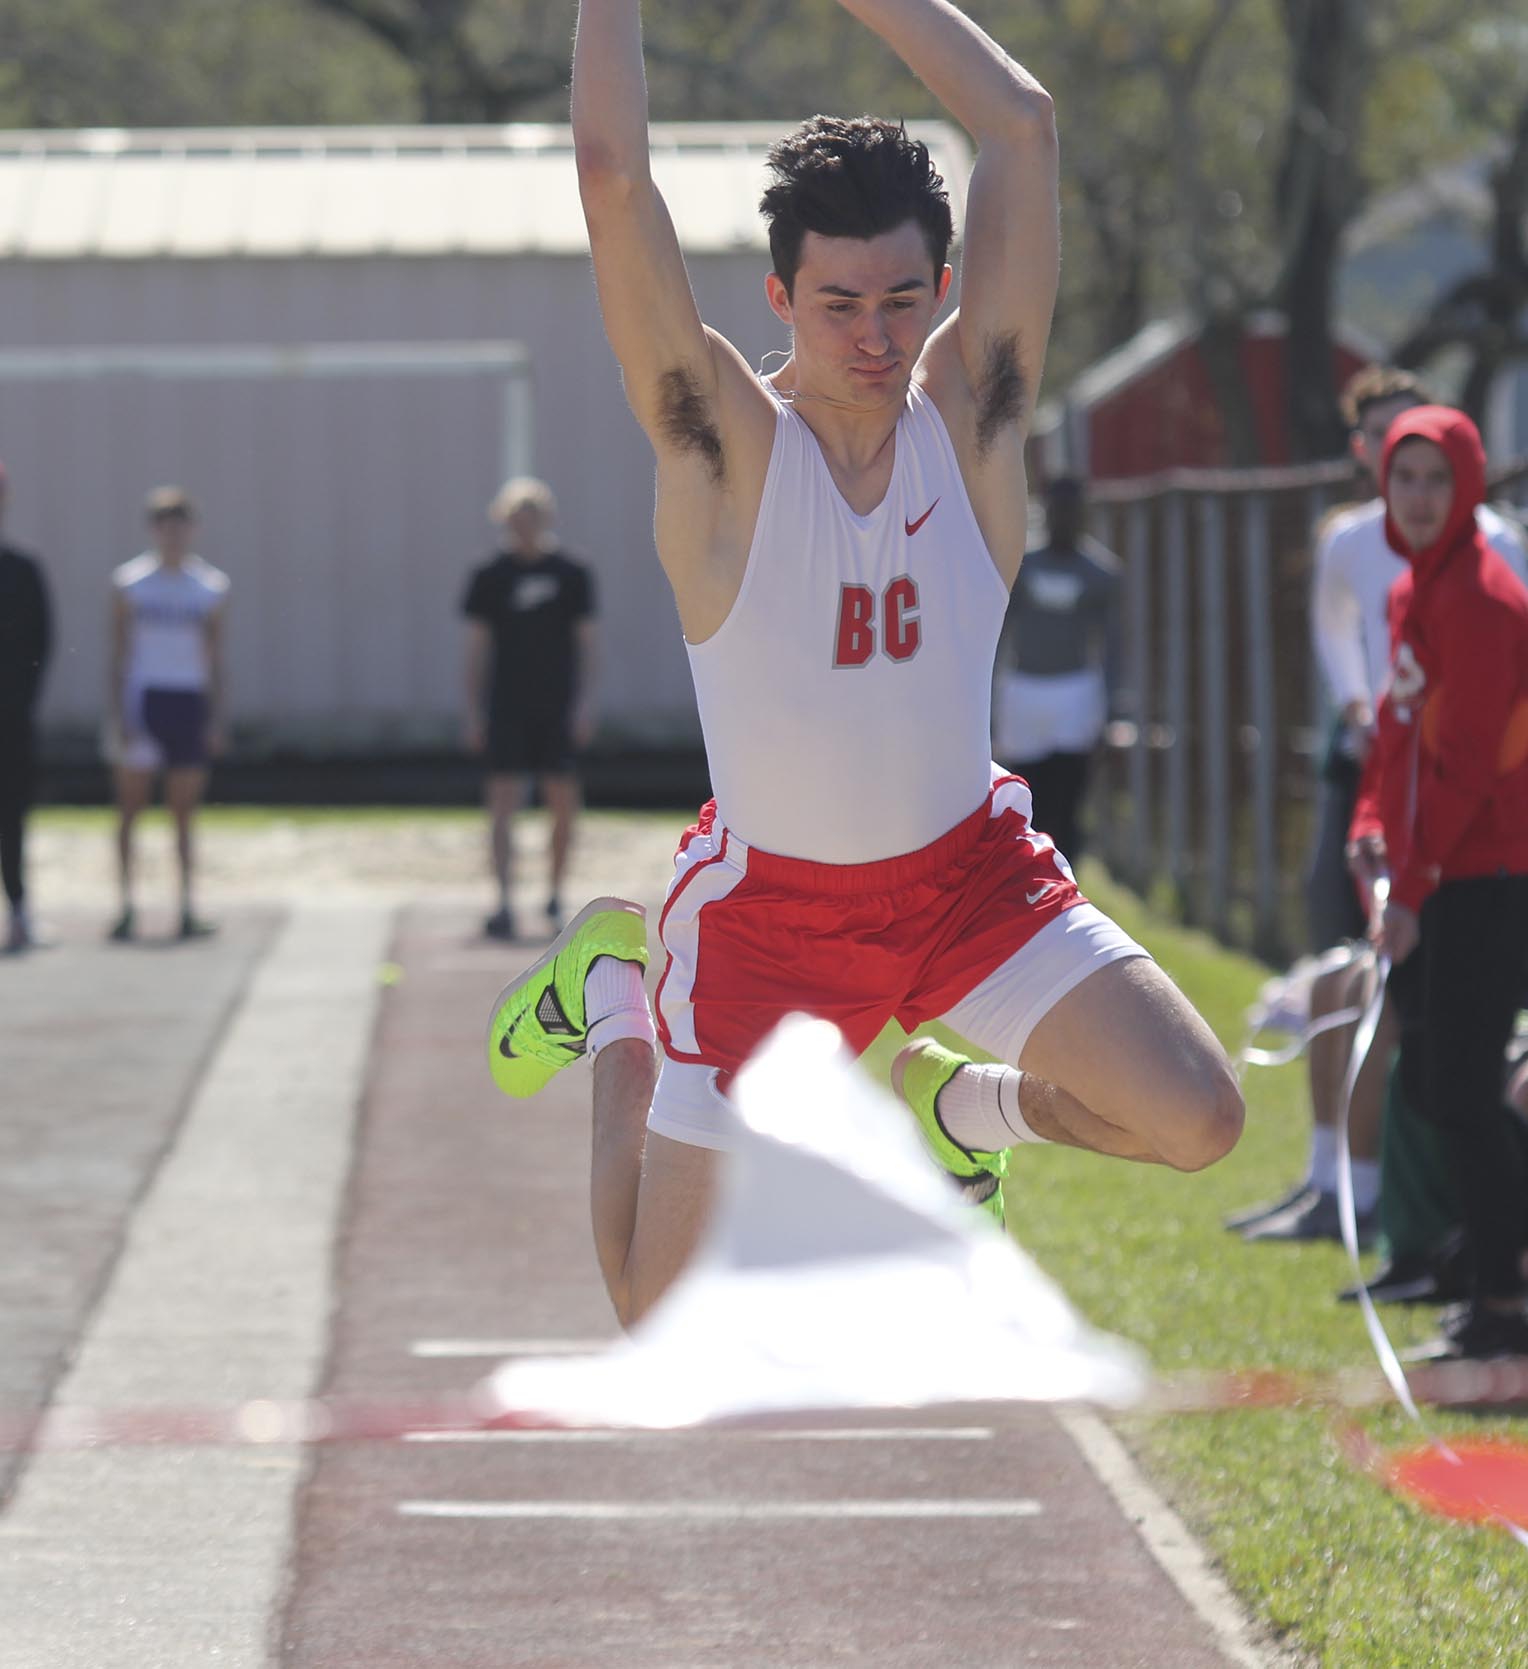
166,690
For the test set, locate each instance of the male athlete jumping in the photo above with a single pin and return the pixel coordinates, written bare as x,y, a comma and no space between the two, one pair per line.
841,538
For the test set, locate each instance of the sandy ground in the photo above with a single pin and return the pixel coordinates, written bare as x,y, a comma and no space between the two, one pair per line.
391,858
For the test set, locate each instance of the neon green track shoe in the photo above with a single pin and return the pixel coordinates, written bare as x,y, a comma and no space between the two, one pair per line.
926,1068
537,1026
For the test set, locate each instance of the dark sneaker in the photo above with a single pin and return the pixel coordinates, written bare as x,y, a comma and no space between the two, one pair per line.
1313,1217
1476,1334
124,930
538,1024
926,1069
500,925
1401,1281
554,913
1441,1277
1454,1318
1251,1214
194,927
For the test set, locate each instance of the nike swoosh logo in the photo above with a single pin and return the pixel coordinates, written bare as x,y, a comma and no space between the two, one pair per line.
1035,896
912,527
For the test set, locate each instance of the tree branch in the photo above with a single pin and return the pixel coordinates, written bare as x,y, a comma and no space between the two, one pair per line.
1483,311
1212,31
379,20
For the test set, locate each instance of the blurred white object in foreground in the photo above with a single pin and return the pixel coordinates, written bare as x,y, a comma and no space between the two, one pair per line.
840,1271
1284,1005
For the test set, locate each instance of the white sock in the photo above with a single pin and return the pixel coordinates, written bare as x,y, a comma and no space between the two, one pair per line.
1365,1185
1321,1173
979,1109
615,1004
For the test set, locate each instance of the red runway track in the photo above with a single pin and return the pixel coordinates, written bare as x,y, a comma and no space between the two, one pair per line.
977,1537
468,1222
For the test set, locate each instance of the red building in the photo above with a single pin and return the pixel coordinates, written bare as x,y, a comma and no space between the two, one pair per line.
1149,406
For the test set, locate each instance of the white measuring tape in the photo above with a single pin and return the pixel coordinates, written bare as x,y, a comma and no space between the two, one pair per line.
1347,1217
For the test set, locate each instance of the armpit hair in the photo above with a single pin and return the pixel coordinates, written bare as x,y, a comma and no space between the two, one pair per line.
1003,391
689,423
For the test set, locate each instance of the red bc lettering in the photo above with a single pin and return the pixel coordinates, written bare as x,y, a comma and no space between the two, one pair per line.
901,628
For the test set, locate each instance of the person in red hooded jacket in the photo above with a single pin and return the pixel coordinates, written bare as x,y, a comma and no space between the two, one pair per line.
1443,813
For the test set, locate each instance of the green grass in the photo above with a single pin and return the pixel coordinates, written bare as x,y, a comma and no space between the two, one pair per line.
1349,1574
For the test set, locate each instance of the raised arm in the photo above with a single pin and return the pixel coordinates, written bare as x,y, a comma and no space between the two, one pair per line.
710,422
1011,260
644,290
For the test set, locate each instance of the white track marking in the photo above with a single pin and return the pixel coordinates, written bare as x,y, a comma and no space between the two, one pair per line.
142,1557
1168,1540
848,1434
494,1349
718,1512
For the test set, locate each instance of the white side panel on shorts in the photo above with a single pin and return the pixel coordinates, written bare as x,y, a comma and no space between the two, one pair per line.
705,878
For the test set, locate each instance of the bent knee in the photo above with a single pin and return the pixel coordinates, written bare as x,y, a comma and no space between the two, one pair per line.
1211,1124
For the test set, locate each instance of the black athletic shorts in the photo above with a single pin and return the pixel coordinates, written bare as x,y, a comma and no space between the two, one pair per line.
531,740
170,731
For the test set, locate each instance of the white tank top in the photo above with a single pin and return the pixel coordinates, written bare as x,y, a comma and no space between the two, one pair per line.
168,608
846,699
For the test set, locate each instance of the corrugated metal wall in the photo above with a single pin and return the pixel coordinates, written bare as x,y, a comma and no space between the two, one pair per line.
348,509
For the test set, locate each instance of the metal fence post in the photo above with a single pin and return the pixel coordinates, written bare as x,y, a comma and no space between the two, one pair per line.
1179,857
1311,723
1143,860
1108,831
1214,711
1258,607
1215,671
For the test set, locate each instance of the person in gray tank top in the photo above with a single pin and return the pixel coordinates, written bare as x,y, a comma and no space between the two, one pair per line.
1058,665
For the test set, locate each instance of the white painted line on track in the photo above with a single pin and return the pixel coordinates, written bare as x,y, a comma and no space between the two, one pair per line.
848,1434
1168,1539
472,1349
719,1512
139,1558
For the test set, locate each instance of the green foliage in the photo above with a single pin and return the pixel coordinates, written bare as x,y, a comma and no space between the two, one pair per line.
1174,114
190,63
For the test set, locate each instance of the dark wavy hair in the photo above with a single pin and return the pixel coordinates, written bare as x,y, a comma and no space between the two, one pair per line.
851,177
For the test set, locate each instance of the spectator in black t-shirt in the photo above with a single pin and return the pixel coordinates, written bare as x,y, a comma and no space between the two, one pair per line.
26,637
529,667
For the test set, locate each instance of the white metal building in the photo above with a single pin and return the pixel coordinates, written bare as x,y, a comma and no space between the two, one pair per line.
339,341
